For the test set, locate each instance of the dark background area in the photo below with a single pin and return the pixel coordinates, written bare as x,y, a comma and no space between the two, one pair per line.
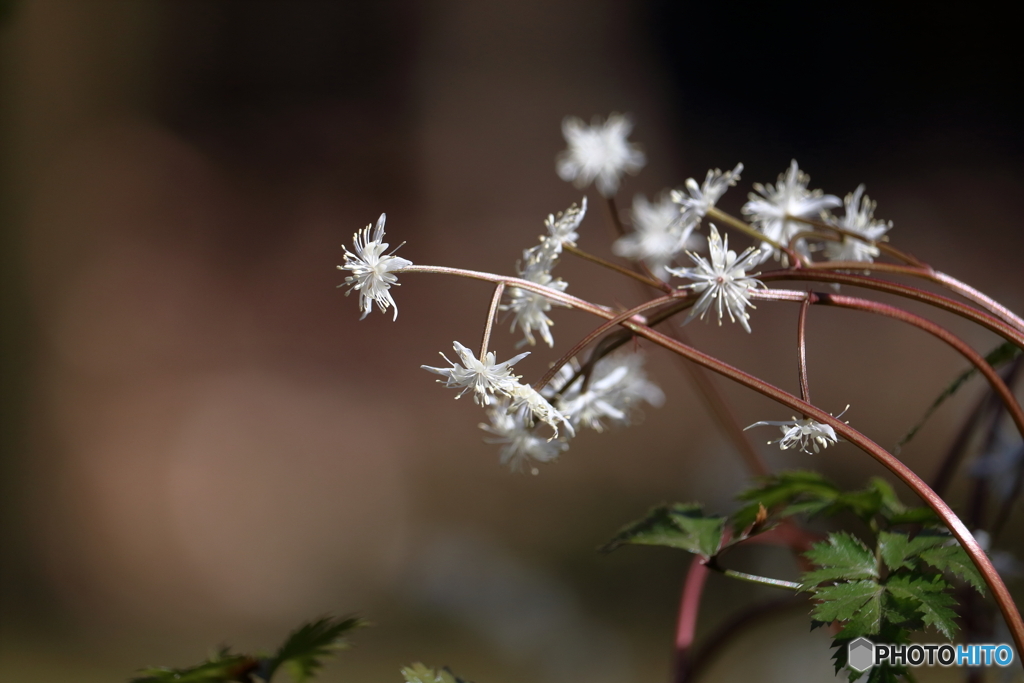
202,443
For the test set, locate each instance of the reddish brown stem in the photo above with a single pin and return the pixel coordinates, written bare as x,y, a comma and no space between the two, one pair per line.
982,318
893,464
801,348
689,608
491,312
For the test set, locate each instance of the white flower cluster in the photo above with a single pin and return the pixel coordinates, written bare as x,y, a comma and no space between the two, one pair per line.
610,396
529,309
859,219
804,434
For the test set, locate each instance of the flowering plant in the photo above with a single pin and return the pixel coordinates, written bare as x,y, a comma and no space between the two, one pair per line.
894,574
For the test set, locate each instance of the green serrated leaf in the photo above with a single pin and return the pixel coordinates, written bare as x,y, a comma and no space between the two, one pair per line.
219,669
932,597
954,559
898,550
1000,355
420,673
683,526
858,603
842,556
302,654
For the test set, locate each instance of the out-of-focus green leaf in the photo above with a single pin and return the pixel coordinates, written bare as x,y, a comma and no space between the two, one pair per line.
420,673
683,526
302,654
220,668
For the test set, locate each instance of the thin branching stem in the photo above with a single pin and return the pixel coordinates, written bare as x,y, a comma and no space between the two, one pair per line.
639,277
882,244
492,312
743,226
601,329
982,318
801,348
975,358
995,583
754,578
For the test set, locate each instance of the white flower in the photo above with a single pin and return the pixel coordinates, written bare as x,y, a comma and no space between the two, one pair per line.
520,443
802,433
617,385
600,152
530,308
790,197
701,199
859,218
486,378
657,235
371,270
525,396
723,280
561,229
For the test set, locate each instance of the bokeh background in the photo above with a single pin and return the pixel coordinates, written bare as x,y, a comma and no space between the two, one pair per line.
204,445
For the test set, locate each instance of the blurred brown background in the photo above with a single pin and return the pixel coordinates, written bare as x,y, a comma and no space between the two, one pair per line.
203,444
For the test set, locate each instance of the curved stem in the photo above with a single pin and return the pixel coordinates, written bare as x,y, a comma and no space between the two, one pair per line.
893,464
491,312
599,330
689,608
890,462
928,273
754,578
982,318
801,348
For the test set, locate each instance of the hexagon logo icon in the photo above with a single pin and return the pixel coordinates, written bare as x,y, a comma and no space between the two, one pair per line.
861,654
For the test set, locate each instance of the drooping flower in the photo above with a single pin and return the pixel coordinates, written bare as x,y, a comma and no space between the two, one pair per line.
802,434
529,309
599,152
699,199
859,218
722,280
772,210
484,377
657,235
520,442
617,386
526,397
372,270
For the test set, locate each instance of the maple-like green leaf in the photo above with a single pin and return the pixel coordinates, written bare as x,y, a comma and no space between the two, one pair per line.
302,654
420,673
683,526
933,599
858,603
953,558
898,550
840,557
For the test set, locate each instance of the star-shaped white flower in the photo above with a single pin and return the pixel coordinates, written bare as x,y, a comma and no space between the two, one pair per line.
599,152
485,377
803,434
372,270
722,280
561,229
520,442
657,236
699,199
860,219
768,211
529,399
